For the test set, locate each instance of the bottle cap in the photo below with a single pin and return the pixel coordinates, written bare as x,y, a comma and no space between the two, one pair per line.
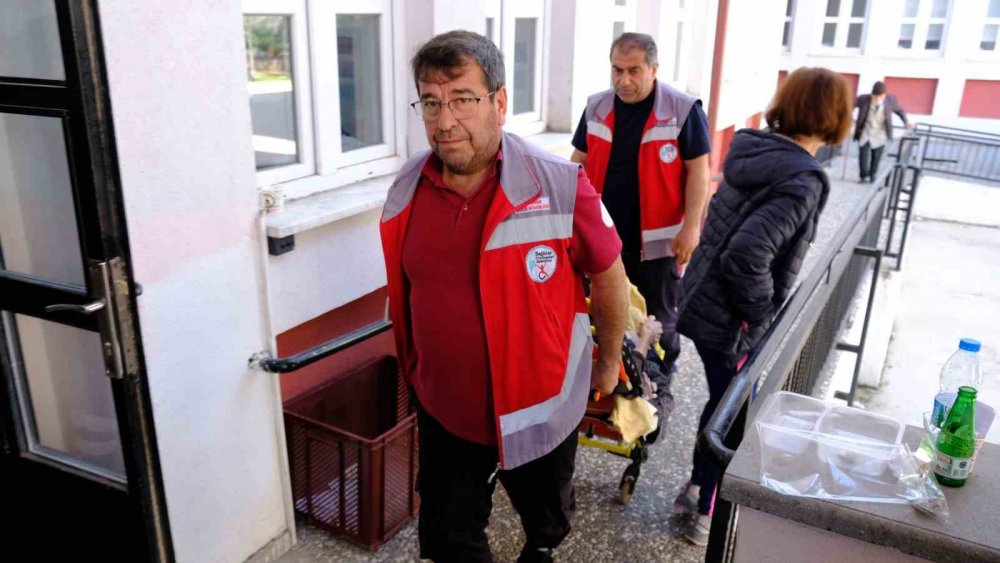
969,344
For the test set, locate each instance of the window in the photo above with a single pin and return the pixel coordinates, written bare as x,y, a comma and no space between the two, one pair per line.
490,31
673,61
521,31
617,30
843,24
988,41
786,34
321,81
923,25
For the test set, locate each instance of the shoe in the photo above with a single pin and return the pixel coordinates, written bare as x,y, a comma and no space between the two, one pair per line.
697,529
687,501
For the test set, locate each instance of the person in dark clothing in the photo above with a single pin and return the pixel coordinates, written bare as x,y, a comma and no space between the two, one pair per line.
874,127
759,226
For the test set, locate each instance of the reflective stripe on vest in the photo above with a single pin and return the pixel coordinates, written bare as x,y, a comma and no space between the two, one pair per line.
532,432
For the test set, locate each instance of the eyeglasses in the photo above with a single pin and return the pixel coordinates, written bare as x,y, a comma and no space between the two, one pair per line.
461,108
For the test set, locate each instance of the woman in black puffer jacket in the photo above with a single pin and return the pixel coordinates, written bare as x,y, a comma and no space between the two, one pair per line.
759,226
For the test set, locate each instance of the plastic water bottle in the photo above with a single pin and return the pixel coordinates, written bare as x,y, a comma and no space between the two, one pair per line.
961,369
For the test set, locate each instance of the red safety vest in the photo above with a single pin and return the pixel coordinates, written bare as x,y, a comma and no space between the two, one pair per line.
661,170
534,308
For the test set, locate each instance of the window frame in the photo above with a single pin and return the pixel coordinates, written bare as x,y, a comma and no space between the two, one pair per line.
843,21
921,26
988,21
531,122
315,61
301,88
675,73
790,7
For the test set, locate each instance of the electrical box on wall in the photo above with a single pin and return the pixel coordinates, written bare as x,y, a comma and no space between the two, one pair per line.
278,246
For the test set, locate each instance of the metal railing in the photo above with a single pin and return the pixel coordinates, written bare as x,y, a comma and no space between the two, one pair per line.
960,152
793,351
316,353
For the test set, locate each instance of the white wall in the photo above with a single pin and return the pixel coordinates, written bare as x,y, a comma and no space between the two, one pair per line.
331,266
182,124
752,51
959,60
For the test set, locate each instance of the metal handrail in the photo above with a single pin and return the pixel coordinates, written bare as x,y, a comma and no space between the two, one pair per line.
317,353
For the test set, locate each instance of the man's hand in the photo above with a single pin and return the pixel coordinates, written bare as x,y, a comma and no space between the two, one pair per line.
686,241
604,377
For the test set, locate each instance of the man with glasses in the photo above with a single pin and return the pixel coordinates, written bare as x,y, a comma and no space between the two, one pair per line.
486,241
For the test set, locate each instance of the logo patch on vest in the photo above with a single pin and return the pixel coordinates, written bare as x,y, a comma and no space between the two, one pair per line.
668,153
541,263
540,204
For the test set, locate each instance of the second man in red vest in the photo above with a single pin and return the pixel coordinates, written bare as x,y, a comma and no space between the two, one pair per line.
645,147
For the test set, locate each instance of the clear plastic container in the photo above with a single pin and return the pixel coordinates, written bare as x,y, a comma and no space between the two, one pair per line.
786,417
860,441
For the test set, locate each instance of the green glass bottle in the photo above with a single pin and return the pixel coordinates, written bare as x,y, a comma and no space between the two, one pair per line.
957,441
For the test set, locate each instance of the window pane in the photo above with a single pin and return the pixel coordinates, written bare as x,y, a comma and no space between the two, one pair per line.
360,66
784,34
38,233
910,10
939,9
677,51
858,8
272,92
489,30
829,34
524,64
788,7
994,9
832,8
621,2
906,36
854,34
61,376
618,29
934,33
989,41
29,40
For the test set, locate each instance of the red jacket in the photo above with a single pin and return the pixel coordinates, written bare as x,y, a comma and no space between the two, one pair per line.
661,171
534,309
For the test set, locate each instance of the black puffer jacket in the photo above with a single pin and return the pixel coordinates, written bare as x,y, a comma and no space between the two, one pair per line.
759,227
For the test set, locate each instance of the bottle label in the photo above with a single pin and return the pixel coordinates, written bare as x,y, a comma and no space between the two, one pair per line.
952,467
940,412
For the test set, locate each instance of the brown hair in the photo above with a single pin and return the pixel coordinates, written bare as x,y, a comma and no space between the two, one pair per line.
812,102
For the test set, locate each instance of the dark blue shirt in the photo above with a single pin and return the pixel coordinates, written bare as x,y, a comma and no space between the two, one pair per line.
621,182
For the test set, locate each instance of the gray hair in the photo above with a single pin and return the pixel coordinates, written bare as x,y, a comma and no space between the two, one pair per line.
452,50
628,41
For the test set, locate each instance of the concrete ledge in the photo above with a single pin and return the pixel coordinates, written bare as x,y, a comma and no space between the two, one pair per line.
969,534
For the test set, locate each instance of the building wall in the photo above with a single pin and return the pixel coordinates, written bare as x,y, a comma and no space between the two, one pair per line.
182,124
959,60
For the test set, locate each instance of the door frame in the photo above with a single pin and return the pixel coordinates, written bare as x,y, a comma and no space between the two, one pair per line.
83,103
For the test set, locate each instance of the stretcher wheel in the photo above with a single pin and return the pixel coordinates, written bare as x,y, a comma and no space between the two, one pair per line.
626,488
627,485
